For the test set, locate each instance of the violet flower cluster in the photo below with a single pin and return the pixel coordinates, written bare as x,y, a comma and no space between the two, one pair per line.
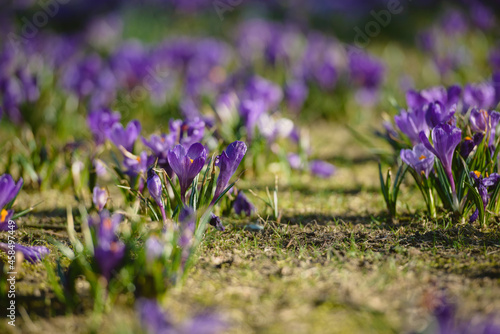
454,128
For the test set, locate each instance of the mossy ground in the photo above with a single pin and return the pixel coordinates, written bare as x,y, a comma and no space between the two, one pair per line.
333,263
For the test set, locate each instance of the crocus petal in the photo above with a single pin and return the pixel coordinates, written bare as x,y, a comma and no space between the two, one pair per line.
8,189
228,162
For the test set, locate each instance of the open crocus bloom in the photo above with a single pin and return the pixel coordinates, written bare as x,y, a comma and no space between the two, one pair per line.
445,139
187,164
420,159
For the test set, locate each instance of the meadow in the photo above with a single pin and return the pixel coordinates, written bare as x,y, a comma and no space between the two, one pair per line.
236,167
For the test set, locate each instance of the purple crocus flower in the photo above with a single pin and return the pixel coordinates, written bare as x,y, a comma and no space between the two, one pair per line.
187,132
243,205
9,189
265,90
449,323
482,121
250,111
155,320
100,123
482,185
99,197
445,139
436,113
412,123
447,97
321,168
228,162
154,249
187,164
136,164
295,161
295,94
420,159
32,254
125,137
366,71
108,249
5,216
100,167
81,76
482,16
480,95
187,224
469,144
160,146
454,22
155,189
216,222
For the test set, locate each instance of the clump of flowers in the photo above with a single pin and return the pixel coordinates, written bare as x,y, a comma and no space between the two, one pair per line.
453,156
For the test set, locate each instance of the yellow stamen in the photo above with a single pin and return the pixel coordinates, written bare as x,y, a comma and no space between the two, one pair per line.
191,160
3,215
138,159
468,138
478,174
422,157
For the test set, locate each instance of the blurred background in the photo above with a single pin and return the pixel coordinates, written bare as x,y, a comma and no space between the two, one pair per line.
240,66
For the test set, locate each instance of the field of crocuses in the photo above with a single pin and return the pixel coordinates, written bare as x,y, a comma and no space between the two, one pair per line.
229,166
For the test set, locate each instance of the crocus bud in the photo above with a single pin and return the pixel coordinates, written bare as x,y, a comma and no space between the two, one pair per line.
215,222
155,186
99,197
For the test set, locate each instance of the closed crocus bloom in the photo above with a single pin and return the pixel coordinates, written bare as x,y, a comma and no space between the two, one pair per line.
187,164
108,249
482,120
216,222
482,185
125,137
250,111
321,168
296,93
445,139
187,222
243,205
228,162
154,186
99,197
155,189
437,113
412,123
8,189
420,159
32,254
